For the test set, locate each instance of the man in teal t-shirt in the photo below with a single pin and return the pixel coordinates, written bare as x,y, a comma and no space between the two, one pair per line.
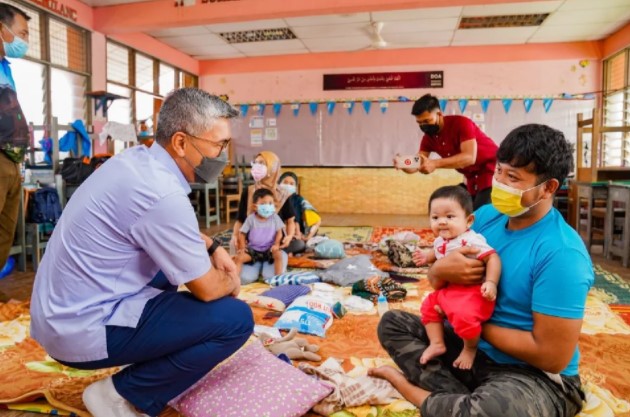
527,363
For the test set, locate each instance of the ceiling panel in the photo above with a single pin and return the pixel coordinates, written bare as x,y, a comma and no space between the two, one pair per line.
591,4
569,30
420,25
209,49
330,31
219,56
569,20
333,19
513,8
193,40
410,14
270,46
495,36
577,17
185,31
347,43
283,52
242,26
419,39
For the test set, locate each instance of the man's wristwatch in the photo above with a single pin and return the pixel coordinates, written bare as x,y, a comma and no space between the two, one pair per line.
216,243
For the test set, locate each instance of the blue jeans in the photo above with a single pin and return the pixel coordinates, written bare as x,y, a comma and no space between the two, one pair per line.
178,340
251,273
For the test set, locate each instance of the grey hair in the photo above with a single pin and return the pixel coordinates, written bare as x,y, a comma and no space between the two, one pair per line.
192,111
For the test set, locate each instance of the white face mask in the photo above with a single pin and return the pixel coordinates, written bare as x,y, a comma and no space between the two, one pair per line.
259,171
289,188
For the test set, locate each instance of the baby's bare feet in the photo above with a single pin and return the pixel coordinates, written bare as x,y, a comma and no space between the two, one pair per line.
465,358
433,351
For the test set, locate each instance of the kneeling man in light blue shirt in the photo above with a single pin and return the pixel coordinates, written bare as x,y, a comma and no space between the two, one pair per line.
105,293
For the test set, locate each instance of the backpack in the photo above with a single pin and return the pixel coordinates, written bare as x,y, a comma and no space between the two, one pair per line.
76,170
44,206
14,133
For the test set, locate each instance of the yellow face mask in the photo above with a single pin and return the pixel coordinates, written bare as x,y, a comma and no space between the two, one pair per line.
507,200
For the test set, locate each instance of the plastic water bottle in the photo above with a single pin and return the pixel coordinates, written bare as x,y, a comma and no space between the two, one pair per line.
381,304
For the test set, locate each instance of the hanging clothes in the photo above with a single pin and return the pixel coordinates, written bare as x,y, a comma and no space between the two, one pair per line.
69,141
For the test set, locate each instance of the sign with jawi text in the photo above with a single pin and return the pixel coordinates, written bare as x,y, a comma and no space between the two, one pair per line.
58,8
383,80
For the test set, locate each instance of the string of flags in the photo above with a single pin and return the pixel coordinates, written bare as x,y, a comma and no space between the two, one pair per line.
383,104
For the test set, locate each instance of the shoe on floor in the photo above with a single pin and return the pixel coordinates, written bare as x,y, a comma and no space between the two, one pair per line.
102,400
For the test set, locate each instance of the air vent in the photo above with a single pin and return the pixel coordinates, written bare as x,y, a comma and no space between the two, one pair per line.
508,21
260,35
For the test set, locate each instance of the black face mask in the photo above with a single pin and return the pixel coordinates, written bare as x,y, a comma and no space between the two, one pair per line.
431,130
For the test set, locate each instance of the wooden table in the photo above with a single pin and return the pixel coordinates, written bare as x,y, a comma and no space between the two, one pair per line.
587,194
617,210
206,187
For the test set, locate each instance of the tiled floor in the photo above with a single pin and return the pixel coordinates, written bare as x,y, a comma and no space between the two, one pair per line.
19,285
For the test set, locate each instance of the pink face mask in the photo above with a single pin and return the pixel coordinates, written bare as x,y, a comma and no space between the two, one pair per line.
259,171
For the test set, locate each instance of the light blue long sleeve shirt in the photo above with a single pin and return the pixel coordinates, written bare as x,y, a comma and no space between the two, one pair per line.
130,219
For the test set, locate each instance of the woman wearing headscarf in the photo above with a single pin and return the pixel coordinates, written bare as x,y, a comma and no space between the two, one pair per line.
265,171
307,219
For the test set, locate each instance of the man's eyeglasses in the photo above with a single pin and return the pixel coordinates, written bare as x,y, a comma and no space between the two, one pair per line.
223,144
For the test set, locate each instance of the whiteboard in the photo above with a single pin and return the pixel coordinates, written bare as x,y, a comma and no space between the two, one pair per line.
360,139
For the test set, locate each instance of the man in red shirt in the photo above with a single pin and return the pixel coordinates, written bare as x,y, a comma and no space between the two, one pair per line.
461,145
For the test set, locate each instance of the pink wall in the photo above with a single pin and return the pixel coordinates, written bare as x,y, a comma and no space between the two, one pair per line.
491,75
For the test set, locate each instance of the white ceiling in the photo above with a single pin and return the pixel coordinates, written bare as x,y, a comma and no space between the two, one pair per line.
569,20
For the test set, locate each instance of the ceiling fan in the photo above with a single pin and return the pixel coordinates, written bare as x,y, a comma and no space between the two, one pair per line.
374,30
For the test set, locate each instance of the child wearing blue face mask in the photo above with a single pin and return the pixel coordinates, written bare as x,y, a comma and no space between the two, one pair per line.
260,236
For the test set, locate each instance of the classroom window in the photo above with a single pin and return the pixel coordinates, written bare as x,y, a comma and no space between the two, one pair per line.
53,77
616,145
144,79
29,78
167,79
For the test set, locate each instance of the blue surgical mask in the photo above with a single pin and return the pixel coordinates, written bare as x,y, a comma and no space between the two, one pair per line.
266,210
290,189
15,49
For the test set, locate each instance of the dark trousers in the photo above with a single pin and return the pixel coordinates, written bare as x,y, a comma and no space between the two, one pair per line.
489,389
296,246
178,340
481,198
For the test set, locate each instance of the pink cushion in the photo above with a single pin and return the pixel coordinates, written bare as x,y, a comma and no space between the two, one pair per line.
253,382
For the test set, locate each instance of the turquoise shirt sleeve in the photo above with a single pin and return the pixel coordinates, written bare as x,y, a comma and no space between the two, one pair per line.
561,282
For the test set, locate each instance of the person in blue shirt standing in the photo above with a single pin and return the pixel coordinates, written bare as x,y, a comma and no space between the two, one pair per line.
527,363
13,127
105,292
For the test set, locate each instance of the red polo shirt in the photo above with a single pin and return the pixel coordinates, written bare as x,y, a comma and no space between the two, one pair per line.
458,129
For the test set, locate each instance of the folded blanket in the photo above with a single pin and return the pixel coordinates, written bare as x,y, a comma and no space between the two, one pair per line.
349,391
371,287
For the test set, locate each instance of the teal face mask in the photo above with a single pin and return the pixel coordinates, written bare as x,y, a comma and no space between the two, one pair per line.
266,210
15,49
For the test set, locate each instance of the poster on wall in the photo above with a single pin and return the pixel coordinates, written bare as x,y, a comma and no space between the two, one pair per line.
271,133
256,137
271,122
257,122
384,80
